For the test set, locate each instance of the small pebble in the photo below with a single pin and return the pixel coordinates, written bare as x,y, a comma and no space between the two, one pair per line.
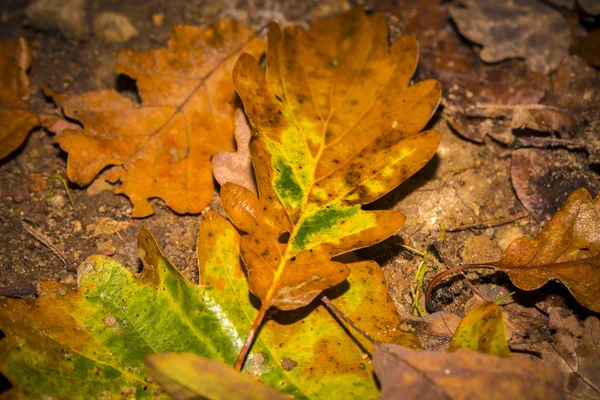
56,201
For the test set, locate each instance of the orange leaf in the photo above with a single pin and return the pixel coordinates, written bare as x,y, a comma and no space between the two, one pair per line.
335,125
16,119
185,116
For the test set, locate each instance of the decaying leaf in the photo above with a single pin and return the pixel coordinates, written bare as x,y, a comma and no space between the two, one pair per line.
93,341
567,250
587,47
543,179
482,330
185,117
236,167
16,119
526,29
188,376
335,125
578,347
463,374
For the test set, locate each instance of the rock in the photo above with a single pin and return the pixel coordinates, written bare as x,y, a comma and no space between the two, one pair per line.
480,249
112,27
67,16
56,201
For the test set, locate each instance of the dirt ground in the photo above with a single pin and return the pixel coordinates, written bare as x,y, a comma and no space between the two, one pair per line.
468,182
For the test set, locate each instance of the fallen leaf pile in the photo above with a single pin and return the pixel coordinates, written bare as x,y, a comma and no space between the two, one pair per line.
302,142
165,143
16,119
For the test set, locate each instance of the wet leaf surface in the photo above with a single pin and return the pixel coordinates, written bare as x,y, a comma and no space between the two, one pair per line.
185,116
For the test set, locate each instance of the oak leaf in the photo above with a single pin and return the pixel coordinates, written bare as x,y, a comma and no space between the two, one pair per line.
16,119
567,250
185,116
335,125
464,374
92,341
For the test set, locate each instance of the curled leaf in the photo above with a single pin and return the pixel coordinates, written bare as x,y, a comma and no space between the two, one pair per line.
185,116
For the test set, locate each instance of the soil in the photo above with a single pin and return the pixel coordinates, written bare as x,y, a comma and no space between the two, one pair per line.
465,183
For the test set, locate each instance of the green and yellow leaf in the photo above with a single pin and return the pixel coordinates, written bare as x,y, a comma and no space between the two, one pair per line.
482,330
91,342
188,376
335,125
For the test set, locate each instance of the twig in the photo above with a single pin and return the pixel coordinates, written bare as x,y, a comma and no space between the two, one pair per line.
412,250
343,316
544,142
19,291
490,223
46,241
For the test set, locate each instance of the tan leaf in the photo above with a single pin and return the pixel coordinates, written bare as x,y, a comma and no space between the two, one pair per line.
236,167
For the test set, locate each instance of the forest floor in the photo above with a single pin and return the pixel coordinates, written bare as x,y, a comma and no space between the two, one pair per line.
483,188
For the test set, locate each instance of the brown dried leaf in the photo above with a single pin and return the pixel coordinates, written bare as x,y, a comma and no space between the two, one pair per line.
578,345
185,117
543,179
587,47
464,374
567,250
236,167
526,29
16,119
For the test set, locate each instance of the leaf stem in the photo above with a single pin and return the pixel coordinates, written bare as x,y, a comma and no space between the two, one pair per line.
343,316
239,363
